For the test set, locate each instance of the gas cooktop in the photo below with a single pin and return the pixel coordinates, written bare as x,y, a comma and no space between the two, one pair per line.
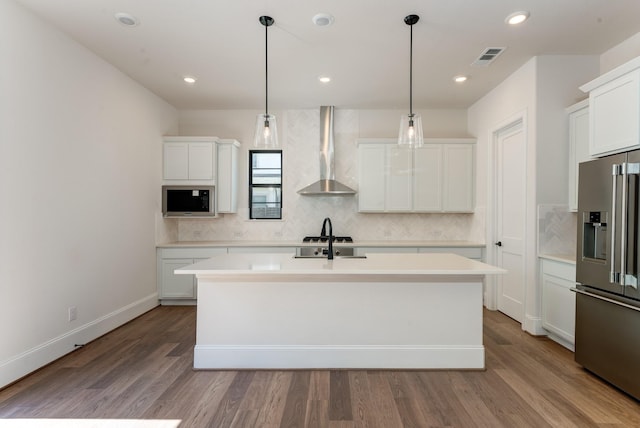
340,239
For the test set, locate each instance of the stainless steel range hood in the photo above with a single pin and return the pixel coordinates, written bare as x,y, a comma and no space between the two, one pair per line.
327,185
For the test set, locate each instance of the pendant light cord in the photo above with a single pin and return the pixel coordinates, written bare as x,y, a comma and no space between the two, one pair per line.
411,72
266,72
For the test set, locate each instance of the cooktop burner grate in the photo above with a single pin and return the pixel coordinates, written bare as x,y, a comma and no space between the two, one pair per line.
326,239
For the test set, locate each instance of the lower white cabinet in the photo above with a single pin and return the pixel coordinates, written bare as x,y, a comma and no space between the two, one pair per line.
474,253
363,251
558,301
174,288
263,250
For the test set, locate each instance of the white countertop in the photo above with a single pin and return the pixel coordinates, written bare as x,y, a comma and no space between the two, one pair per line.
373,264
403,243
565,258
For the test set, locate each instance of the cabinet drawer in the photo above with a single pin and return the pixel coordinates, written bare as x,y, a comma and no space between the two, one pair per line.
566,271
471,253
190,253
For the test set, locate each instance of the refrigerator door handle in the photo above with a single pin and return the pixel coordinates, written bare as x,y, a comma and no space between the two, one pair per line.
623,224
628,279
613,275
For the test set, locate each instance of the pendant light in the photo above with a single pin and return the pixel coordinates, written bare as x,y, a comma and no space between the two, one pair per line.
411,125
266,135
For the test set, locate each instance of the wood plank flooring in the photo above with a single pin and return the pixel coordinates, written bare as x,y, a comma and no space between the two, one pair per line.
143,370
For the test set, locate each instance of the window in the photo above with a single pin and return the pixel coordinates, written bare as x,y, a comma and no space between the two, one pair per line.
265,184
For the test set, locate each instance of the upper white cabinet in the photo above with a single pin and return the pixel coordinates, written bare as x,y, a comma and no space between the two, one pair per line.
578,121
614,110
372,160
227,176
189,160
438,177
458,176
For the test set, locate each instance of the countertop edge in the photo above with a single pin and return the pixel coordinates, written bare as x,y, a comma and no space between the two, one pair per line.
390,244
564,258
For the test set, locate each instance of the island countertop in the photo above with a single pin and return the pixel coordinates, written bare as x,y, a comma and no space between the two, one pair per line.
391,311
356,243
373,264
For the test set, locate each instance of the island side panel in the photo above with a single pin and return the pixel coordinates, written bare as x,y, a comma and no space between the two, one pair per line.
339,324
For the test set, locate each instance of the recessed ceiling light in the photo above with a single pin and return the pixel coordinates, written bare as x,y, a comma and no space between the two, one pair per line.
126,19
324,79
190,80
517,17
323,19
460,79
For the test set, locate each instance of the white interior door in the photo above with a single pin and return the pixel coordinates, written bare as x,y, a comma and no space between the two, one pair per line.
510,218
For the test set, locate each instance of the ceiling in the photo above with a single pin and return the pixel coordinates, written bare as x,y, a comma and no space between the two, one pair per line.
365,51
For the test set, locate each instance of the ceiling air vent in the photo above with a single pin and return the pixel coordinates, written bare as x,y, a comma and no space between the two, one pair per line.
487,57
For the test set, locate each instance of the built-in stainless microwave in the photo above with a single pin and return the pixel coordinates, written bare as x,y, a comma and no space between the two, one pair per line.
188,201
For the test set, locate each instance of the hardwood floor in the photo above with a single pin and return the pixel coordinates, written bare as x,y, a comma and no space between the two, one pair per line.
144,370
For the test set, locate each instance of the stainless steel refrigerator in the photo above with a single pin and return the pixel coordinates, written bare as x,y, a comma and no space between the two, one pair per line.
608,257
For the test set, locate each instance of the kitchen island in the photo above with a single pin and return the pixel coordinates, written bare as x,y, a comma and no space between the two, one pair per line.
274,311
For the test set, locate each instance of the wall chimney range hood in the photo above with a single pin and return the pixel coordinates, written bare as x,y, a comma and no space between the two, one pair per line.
327,185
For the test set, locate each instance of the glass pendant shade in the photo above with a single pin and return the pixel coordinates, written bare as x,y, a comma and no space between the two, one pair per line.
266,135
410,131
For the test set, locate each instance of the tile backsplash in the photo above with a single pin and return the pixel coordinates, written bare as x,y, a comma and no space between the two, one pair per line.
303,215
556,230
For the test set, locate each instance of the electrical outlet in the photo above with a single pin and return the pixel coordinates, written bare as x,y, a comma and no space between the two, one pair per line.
73,313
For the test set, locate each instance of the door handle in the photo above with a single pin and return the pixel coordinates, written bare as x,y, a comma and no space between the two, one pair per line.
499,244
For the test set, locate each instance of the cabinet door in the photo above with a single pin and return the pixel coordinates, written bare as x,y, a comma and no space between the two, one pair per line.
558,301
201,161
578,150
458,178
371,177
176,286
427,183
227,181
399,196
614,112
175,161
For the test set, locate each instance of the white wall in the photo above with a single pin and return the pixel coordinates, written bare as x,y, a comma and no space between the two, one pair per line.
302,215
619,54
558,80
80,157
538,92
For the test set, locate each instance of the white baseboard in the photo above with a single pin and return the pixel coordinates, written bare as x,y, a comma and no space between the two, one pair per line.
21,365
533,325
343,357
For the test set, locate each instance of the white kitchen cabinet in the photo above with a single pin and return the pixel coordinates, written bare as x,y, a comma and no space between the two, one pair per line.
227,176
438,177
474,253
578,121
371,177
363,251
189,160
614,110
179,289
263,250
399,178
458,177
427,180
558,301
